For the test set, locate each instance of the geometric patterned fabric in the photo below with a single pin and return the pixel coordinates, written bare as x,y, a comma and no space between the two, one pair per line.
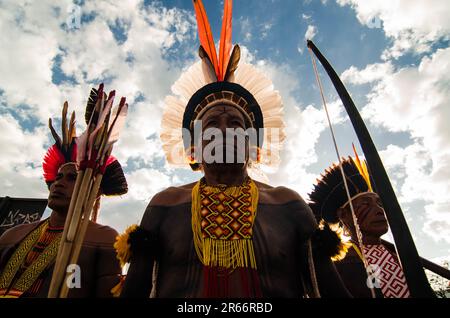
391,277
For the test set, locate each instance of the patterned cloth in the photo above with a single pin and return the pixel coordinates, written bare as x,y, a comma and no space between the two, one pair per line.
392,280
222,222
226,216
24,274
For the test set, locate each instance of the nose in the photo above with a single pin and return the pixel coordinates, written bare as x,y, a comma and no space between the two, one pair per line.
222,125
59,184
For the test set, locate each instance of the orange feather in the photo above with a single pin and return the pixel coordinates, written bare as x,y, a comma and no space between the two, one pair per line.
205,35
225,38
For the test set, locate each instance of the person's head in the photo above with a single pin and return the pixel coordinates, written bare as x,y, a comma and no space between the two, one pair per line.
224,138
60,168
369,213
329,200
62,188
214,81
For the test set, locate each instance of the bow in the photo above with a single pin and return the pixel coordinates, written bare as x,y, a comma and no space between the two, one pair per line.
409,258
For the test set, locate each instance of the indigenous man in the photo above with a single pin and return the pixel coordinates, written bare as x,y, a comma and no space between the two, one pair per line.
330,202
226,235
28,252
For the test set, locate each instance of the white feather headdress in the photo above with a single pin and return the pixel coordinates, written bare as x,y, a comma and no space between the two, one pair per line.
225,69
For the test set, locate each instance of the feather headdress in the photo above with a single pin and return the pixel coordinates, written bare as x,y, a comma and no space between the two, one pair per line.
69,148
64,150
221,80
329,192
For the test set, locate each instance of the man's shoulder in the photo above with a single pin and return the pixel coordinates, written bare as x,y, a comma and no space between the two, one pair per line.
173,195
295,207
17,233
99,234
278,195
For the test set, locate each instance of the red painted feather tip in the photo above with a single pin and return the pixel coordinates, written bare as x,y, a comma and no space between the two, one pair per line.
110,160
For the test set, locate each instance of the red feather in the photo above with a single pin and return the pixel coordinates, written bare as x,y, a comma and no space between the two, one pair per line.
225,38
205,35
110,160
53,159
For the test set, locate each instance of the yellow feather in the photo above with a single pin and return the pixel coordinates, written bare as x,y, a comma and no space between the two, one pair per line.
362,168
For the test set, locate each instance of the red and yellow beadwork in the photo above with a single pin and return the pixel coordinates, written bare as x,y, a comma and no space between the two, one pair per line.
222,223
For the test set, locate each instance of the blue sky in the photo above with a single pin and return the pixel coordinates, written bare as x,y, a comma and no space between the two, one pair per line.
393,56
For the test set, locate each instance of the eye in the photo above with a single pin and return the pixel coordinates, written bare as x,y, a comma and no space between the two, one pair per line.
364,202
379,202
211,122
58,176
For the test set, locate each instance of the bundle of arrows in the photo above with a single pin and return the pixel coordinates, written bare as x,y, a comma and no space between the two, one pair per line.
94,147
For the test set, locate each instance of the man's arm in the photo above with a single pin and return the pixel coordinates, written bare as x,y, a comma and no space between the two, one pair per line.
329,282
108,267
138,283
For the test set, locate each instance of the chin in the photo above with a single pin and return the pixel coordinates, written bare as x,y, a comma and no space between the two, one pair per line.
55,206
227,165
381,231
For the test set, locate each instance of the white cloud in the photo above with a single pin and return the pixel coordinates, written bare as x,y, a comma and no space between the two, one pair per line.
371,73
265,29
304,125
35,34
21,159
144,183
246,29
413,25
306,17
416,100
311,32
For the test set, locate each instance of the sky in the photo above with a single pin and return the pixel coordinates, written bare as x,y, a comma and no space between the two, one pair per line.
393,55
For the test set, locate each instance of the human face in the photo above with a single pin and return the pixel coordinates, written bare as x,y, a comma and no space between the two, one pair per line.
62,188
369,213
222,118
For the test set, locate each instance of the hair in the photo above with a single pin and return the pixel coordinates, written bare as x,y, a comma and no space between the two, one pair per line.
329,193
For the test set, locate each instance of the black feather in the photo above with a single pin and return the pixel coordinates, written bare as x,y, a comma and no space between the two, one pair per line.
329,193
203,55
141,240
54,133
234,61
327,243
114,181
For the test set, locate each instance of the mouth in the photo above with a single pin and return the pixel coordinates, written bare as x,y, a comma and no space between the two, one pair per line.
380,221
58,194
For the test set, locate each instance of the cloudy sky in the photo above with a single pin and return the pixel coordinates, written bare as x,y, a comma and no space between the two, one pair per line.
394,56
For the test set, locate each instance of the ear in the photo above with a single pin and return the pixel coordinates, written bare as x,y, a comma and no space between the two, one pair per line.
342,214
